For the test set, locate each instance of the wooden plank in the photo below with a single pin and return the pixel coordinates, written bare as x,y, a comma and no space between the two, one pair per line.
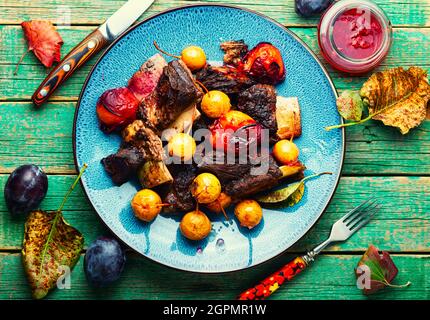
410,47
44,136
403,227
376,149
401,12
46,131
331,277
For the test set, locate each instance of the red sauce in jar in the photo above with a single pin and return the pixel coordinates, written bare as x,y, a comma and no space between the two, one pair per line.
354,35
357,34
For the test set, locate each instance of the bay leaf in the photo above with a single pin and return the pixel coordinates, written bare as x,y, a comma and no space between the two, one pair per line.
288,196
50,244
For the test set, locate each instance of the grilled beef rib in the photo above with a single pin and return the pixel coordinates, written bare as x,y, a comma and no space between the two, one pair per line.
250,184
259,102
175,92
229,80
140,144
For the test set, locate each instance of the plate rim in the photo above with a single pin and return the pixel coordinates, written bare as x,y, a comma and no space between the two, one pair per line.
176,8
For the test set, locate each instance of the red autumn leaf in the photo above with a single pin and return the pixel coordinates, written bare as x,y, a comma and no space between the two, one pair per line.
44,40
379,269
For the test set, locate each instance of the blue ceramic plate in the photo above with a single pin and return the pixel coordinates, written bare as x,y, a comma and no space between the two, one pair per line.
229,247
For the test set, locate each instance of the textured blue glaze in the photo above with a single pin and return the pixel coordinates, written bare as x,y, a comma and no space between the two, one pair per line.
160,240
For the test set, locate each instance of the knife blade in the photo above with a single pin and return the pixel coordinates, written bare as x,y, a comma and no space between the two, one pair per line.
117,23
111,29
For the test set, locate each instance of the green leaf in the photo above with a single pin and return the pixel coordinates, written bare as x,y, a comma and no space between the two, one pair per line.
296,196
50,245
376,271
350,105
288,196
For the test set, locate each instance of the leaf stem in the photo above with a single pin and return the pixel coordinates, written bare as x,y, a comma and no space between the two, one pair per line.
369,117
19,62
46,246
385,282
84,167
315,175
348,124
399,285
57,216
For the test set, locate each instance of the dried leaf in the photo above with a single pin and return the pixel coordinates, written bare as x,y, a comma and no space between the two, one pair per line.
381,268
350,105
397,97
49,245
44,40
288,196
404,98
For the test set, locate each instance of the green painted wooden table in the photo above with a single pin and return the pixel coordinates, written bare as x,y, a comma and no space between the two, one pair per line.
379,162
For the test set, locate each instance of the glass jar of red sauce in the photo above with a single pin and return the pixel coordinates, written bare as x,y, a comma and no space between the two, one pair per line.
354,35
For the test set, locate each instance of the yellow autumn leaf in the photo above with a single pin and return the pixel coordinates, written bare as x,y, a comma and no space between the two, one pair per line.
398,97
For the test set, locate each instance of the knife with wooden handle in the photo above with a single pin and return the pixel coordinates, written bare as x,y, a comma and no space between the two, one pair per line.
120,21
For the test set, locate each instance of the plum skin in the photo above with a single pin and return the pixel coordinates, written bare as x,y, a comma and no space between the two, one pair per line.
25,189
308,8
104,262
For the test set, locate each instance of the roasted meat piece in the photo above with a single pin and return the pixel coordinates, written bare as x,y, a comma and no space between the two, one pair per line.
146,79
259,102
239,179
278,114
229,80
140,144
179,196
175,92
122,165
145,139
234,52
225,171
250,184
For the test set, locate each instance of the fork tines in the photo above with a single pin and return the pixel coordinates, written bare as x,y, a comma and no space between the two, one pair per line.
361,215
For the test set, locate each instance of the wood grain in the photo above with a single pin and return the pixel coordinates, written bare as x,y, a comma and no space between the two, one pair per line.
143,279
410,47
401,12
403,224
379,162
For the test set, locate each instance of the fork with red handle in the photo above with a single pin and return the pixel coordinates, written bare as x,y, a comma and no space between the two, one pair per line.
340,231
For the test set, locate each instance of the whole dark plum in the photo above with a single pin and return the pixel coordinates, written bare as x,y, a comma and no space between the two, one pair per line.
25,189
308,8
104,262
